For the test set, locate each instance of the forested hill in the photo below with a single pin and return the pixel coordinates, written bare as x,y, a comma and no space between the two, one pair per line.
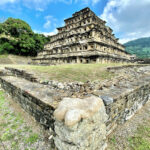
17,37
139,47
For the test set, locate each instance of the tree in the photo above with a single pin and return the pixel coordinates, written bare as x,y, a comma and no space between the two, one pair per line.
20,39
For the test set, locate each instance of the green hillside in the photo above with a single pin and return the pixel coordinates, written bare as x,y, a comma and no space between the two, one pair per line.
17,37
139,47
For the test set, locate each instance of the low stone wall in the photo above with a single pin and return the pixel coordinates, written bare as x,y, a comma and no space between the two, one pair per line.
81,132
21,73
125,67
125,106
82,124
41,111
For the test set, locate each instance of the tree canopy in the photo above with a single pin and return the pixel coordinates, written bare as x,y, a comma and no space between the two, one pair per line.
17,37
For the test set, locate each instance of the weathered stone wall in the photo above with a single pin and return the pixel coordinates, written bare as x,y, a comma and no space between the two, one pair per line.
82,134
82,123
125,106
21,73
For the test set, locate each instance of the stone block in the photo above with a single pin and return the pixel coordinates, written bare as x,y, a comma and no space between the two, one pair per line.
80,124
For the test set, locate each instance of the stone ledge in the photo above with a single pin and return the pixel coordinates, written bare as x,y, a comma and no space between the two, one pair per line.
39,91
125,66
22,74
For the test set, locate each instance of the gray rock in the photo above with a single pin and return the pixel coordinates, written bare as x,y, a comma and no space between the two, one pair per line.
107,100
87,134
61,86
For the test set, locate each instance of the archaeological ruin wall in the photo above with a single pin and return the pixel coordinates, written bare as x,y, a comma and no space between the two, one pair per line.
84,39
95,112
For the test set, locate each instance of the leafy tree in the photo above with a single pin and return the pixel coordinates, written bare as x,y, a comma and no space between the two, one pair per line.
19,38
5,48
16,27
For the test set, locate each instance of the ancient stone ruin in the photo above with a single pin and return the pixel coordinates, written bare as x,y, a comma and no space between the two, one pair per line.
80,116
84,39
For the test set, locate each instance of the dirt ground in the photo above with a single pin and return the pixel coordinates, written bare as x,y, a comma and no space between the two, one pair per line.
134,134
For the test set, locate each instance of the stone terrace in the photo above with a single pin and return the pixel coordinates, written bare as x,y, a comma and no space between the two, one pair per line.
122,96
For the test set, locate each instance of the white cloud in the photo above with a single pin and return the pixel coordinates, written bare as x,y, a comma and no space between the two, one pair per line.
129,19
50,33
40,9
125,40
41,5
47,33
2,19
95,1
86,2
47,24
36,4
50,22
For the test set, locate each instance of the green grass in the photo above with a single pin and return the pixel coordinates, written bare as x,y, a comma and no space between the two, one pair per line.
141,140
77,72
13,59
4,56
13,129
71,72
32,138
64,72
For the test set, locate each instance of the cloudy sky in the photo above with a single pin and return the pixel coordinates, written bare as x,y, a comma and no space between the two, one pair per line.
130,19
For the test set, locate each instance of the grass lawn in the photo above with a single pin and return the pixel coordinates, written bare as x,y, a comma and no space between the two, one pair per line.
71,72
4,56
141,139
15,132
64,72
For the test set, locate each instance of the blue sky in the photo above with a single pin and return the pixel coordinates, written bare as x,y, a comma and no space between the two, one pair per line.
129,19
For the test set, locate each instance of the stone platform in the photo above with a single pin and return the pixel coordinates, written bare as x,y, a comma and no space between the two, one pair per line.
81,116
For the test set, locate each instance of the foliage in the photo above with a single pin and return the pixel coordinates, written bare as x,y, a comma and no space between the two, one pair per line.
139,47
16,27
17,37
